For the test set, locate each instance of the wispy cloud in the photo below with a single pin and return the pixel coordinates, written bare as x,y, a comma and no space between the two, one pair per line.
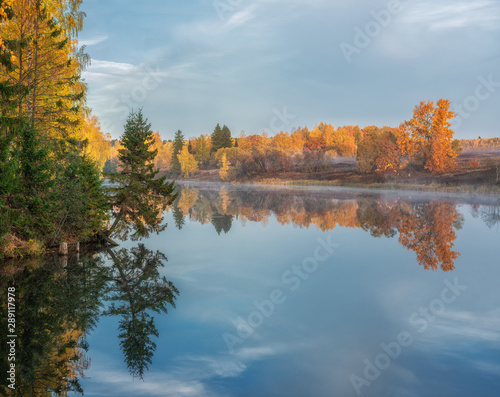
242,17
93,41
463,327
454,14
119,383
186,376
107,67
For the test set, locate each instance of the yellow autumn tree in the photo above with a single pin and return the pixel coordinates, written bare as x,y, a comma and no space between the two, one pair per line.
163,160
46,66
224,167
98,144
188,163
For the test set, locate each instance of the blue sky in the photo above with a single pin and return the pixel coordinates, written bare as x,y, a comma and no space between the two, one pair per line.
274,65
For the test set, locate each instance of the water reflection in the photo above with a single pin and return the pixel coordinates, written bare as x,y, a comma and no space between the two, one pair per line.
490,215
137,289
56,307
59,302
428,228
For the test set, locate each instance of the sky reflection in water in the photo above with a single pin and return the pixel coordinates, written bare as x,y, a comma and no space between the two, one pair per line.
387,267
234,248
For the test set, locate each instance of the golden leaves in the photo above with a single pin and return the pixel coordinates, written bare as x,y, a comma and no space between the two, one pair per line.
224,167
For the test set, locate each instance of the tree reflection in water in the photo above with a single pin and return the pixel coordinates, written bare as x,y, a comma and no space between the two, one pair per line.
58,303
427,228
137,289
56,306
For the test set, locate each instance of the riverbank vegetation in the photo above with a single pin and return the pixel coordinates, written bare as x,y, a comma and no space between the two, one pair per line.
421,151
52,149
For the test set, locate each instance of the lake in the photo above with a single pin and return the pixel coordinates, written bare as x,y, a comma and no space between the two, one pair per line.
287,292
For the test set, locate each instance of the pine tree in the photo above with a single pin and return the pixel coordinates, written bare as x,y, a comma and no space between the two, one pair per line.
176,149
226,140
8,182
35,198
216,138
221,138
141,197
79,195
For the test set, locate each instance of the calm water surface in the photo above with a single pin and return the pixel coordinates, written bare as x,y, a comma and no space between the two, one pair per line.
304,293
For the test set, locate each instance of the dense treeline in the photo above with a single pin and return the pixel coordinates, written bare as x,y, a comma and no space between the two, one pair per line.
480,144
424,143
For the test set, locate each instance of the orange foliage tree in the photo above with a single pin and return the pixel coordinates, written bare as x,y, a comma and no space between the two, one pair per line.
427,138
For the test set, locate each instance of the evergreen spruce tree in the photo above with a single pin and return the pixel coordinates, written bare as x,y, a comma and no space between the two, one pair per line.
221,138
9,90
236,142
226,137
141,197
176,149
8,162
8,183
35,199
216,139
79,194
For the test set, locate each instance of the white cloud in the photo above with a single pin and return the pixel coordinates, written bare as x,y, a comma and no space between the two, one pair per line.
107,67
93,41
116,382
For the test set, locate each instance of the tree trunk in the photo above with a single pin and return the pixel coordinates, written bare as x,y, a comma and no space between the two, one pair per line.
35,62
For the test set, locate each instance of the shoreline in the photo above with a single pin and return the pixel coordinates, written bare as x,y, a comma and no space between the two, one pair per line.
354,192
481,189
